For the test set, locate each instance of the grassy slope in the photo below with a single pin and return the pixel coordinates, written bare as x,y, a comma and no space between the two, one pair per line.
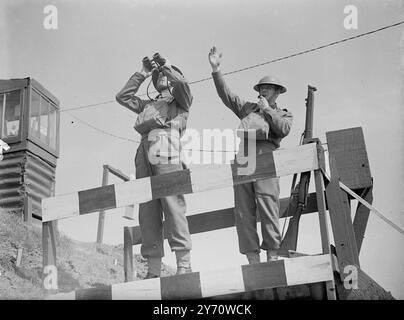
80,265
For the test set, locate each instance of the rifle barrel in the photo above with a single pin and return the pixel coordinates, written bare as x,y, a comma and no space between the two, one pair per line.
308,131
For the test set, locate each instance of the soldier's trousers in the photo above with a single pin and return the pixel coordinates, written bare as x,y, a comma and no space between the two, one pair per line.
151,212
262,197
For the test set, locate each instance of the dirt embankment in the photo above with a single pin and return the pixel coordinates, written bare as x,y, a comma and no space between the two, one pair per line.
80,265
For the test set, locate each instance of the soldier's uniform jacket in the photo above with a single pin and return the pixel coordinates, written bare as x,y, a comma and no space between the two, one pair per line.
279,120
167,116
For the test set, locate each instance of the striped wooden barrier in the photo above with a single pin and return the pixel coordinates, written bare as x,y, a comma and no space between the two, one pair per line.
223,218
273,164
343,146
204,284
199,223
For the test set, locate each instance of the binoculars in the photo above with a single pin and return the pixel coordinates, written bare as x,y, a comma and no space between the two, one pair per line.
157,58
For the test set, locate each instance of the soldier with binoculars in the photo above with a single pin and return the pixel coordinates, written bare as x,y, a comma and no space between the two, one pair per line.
161,122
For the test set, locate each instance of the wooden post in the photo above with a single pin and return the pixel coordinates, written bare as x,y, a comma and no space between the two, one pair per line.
361,217
128,253
49,272
101,217
117,173
27,209
19,257
339,210
49,261
346,213
323,220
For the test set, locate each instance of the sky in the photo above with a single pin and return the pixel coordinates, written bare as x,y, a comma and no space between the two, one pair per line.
98,45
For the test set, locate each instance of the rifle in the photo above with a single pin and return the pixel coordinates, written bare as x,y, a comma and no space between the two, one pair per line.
298,199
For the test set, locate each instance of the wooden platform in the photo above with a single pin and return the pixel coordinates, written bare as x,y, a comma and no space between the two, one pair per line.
204,284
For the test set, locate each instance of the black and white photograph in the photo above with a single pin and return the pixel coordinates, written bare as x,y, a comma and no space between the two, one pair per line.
209,153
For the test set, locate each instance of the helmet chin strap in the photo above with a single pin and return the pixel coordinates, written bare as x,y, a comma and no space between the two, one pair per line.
165,92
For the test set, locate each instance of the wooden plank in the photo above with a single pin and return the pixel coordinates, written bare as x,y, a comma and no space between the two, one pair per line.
260,275
99,293
311,291
138,290
323,222
308,269
186,286
219,282
19,257
173,183
116,172
223,218
210,177
49,271
361,217
339,210
90,200
346,214
66,206
129,213
322,211
370,207
286,164
133,192
289,272
302,158
348,148
101,215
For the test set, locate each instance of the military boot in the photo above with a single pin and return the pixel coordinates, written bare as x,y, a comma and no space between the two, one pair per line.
183,261
153,267
272,255
253,257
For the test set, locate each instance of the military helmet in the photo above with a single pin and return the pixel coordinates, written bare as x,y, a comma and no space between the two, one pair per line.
270,80
155,75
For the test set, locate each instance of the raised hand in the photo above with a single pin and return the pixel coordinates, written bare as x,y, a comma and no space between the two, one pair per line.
215,59
146,72
263,103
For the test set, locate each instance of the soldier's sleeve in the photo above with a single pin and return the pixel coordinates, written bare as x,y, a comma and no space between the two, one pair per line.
280,123
127,96
181,90
231,100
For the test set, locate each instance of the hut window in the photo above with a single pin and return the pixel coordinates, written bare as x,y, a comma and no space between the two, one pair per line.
52,126
10,114
35,111
42,123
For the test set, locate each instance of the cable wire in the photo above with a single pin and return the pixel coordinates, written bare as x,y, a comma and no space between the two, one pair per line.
101,130
229,73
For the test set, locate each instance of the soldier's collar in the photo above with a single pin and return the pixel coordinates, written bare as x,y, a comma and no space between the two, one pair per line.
168,99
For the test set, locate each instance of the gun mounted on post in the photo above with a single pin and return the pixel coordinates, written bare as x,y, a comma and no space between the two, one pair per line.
298,199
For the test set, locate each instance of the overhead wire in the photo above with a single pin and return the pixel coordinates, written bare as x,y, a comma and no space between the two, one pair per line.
225,74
